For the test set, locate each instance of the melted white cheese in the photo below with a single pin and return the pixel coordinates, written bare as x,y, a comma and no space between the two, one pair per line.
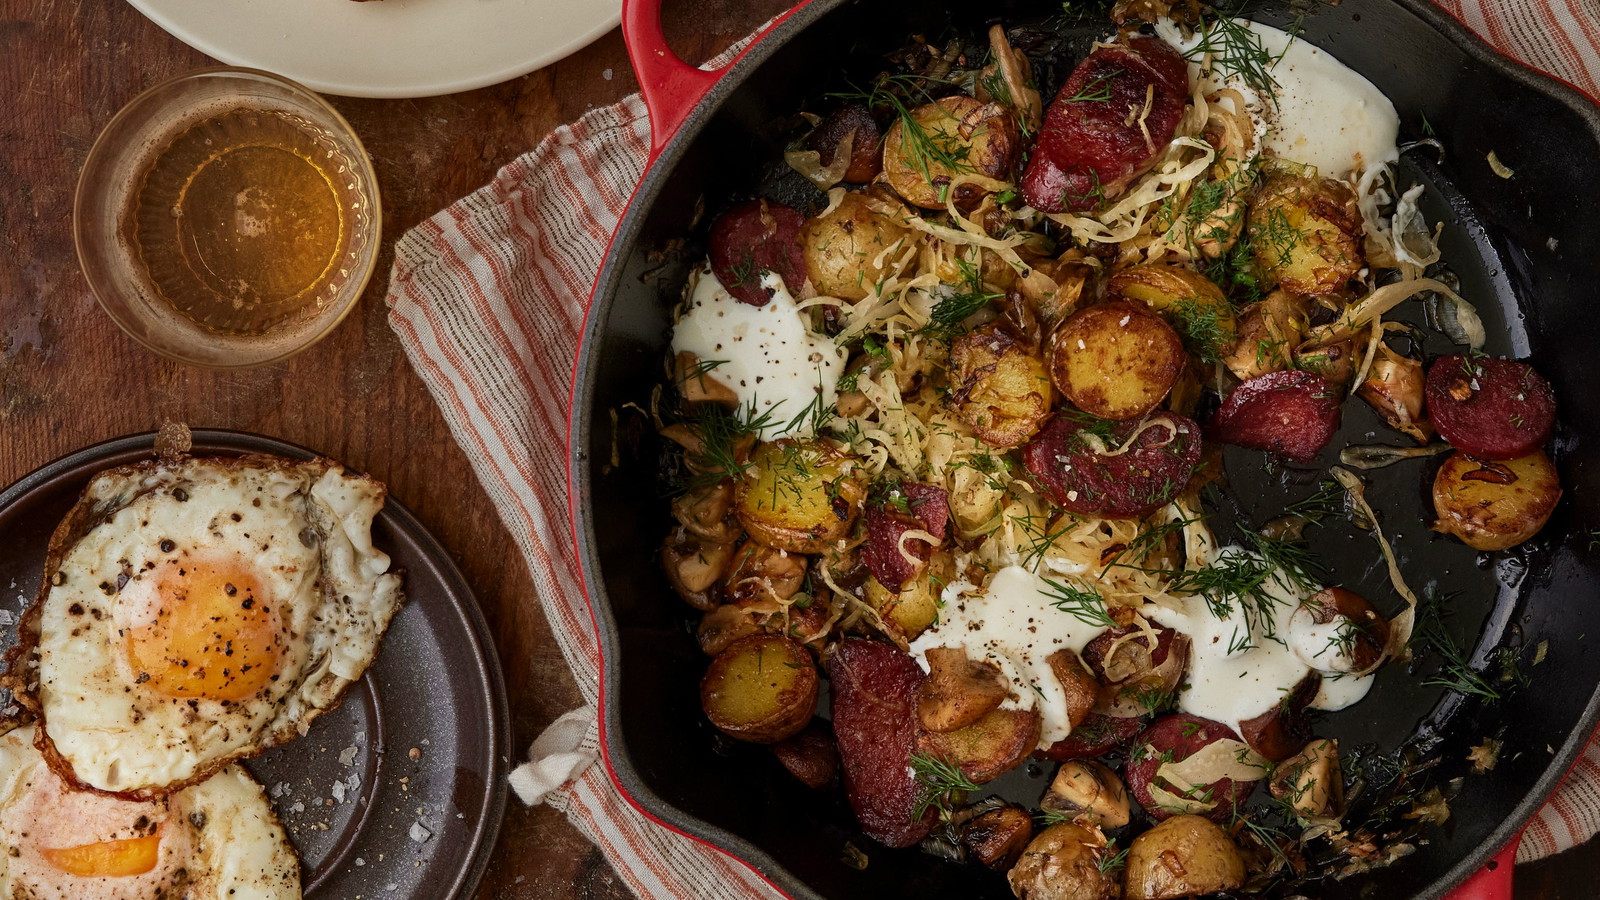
1239,670
1014,624
1322,113
767,355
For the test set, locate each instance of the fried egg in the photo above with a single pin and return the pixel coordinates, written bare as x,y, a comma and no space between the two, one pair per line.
215,840
196,611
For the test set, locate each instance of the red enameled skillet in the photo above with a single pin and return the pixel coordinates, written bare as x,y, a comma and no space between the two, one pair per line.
1524,249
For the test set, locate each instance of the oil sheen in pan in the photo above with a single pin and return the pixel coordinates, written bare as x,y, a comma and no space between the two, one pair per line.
399,791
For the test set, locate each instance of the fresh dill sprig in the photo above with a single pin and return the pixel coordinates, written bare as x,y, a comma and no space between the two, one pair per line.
1455,668
1233,47
1204,327
699,370
1098,89
921,148
938,781
722,436
944,321
1111,859
1082,603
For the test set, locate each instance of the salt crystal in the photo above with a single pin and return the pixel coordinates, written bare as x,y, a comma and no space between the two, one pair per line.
298,807
338,791
420,834
347,756
606,74
6,618
360,861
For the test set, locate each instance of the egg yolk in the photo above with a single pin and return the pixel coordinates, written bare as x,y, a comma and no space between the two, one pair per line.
212,634
107,859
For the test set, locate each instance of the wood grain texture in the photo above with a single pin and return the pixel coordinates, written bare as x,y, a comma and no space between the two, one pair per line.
69,378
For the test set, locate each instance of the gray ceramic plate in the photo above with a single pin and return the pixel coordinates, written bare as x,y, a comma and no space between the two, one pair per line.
399,792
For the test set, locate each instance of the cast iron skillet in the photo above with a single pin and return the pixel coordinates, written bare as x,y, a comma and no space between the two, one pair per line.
435,686
1521,247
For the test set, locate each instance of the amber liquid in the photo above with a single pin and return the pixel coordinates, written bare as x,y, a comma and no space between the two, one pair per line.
243,222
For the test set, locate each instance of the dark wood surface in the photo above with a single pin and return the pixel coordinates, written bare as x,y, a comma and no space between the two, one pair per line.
69,378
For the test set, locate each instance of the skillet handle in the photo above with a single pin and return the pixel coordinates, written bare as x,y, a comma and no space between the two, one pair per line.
1493,881
671,87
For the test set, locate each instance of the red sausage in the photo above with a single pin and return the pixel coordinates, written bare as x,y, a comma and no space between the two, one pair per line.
1081,480
875,727
753,238
1092,146
1292,413
927,508
1172,739
1490,409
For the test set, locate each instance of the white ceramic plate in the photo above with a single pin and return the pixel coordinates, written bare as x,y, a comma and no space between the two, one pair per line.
387,48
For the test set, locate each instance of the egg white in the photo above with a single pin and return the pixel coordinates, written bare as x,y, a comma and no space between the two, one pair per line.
302,529
219,839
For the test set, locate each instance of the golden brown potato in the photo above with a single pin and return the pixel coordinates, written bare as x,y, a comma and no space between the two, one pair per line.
799,496
760,574
910,612
1065,862
694,566
1185,298
1495,505
988,748
1394,388
1184,856
1305,231
1117,360
958,691
1268,333
722,625
1311,781
762,689
1089,792
950,137
999,387
853,247
997,838
697,384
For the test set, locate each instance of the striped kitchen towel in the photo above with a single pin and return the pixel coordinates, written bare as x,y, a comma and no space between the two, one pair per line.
487,297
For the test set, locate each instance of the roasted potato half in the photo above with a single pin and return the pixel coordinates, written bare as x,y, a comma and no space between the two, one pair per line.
1495,505
1065,862
1117,360
798,496
762,689
853,247
917,605
945,138
999,387
989,747
1195,306
1305,231
1184,856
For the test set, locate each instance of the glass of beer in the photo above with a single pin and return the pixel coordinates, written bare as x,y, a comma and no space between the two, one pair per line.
227,218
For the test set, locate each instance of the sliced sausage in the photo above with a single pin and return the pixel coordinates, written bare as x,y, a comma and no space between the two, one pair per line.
753,238
1492,409
1292,413
1116,470
1113,117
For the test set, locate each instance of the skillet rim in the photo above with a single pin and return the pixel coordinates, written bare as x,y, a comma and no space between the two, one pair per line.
618,767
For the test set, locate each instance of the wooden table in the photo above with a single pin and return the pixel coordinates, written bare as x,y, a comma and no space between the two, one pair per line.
69,378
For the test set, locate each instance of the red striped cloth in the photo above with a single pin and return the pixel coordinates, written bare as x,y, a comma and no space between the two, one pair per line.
487,298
